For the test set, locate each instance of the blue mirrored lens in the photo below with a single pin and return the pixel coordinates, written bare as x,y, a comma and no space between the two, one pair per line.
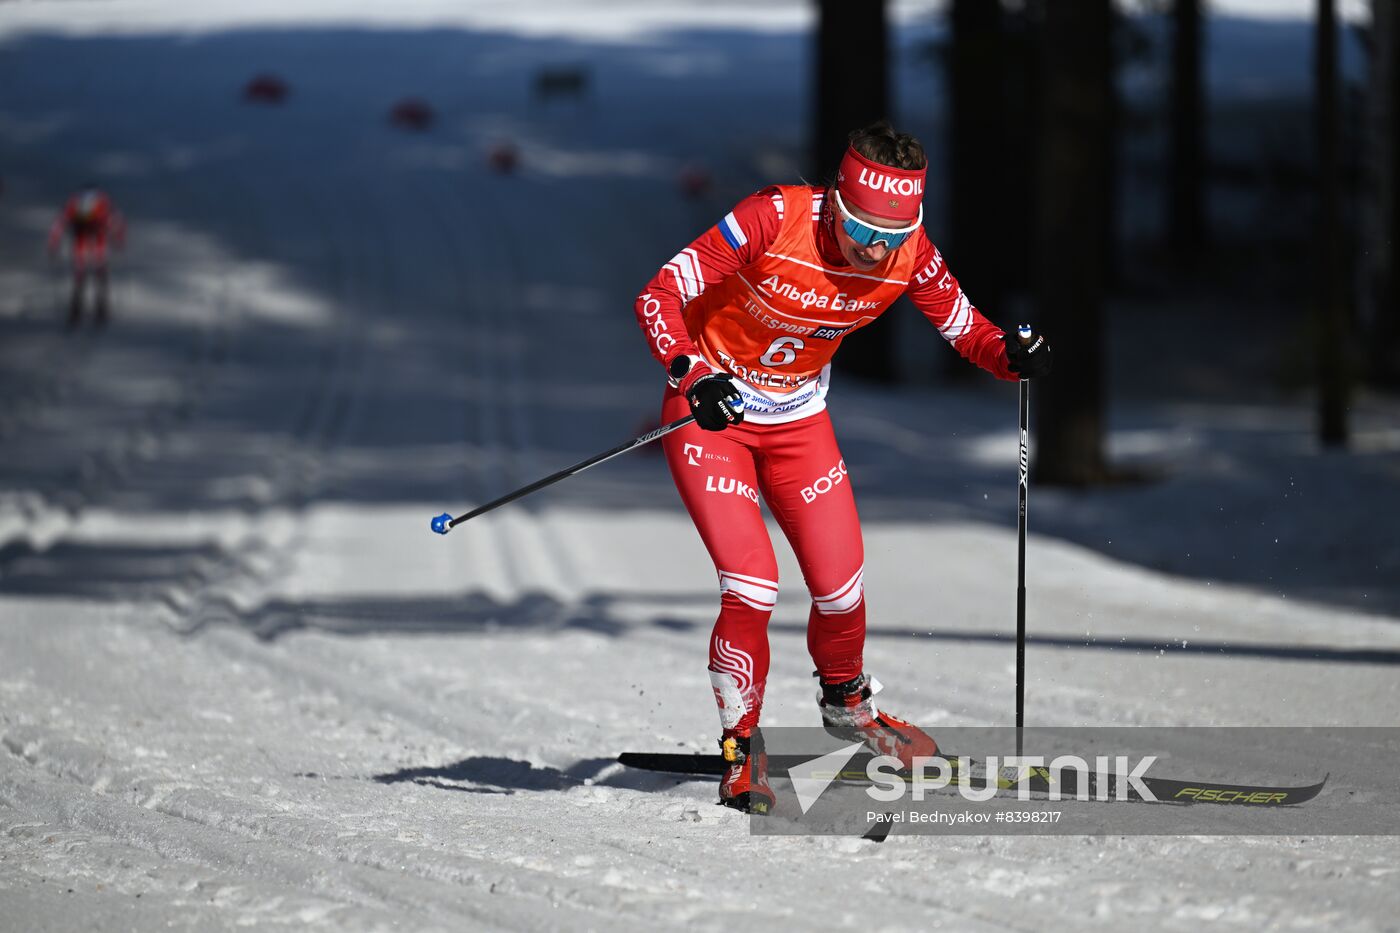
868,236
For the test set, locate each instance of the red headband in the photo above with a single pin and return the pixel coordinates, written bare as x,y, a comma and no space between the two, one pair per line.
878,189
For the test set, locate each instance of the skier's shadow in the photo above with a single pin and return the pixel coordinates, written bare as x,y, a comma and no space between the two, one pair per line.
495,775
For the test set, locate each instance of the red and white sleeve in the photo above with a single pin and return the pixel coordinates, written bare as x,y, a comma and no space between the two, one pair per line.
938,295
739,239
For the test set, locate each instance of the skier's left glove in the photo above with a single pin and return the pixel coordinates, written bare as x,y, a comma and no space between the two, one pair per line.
1027,359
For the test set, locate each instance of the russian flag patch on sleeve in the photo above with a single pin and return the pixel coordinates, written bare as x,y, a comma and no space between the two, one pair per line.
733,233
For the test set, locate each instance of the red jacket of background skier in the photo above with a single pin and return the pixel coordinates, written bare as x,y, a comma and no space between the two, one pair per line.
89,218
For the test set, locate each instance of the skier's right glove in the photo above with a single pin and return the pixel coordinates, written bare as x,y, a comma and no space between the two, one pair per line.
714,398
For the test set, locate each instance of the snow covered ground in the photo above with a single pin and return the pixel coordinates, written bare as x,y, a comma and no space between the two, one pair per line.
241,683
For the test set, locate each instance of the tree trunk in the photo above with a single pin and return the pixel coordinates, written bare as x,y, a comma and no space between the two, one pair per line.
1383,228
1186,217
1330,291
977,169
852,90
1073,178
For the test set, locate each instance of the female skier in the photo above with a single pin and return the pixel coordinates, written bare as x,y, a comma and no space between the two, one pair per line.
745,320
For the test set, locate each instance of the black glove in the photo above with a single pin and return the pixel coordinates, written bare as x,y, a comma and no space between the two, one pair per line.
716,402
1029,358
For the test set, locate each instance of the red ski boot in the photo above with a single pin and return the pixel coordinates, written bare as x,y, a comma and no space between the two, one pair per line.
848,711
744,785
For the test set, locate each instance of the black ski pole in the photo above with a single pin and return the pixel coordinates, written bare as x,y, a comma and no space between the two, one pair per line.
444,523
1024,333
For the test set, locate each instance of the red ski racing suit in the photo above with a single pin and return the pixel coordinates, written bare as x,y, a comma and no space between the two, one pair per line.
89,217
766,296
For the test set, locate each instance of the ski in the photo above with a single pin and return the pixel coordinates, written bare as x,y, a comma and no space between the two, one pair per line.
1099,785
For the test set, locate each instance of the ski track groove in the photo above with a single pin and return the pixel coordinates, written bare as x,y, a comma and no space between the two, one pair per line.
47,384
105,470
400,878
510,307
473,262
247,574
109,466
157,818
529,550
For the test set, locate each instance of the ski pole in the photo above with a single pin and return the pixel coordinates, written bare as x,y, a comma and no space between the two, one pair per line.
1024,333
444,523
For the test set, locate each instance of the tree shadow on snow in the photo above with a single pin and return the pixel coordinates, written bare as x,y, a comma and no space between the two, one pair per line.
466,613
1222,649
195,581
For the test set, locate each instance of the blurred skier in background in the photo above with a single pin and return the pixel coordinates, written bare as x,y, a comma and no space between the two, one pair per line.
745,321
89,219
